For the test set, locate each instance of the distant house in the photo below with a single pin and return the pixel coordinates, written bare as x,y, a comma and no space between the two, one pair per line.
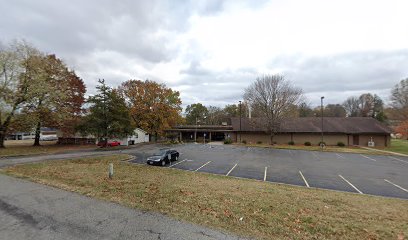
138,136
350,131
45,134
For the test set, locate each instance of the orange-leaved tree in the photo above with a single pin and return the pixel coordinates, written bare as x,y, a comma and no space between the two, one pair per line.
153,106
402,128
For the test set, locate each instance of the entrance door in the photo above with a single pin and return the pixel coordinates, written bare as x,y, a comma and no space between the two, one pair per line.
356,140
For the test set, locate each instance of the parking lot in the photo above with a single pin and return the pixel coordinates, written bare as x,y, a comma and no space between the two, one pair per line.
358,173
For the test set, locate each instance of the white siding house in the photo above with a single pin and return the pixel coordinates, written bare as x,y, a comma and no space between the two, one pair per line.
138,136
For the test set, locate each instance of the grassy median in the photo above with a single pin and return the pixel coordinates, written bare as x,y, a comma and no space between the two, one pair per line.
245,207
399,146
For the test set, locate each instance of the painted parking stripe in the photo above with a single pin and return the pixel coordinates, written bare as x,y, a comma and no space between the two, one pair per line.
177,163
351,184
266,169
231,169
403,189
372,159
340,156
304,179
202,166
398,159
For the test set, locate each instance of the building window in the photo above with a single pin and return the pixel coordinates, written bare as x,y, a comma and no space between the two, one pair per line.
136,135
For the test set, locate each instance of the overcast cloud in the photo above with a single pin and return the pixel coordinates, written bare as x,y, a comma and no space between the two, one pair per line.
212,50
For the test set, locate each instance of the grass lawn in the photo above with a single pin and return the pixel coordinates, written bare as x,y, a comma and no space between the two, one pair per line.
245,207
348,149
399,146
24,147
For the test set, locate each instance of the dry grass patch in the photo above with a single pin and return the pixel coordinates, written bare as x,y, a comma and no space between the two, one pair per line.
245,207
23,147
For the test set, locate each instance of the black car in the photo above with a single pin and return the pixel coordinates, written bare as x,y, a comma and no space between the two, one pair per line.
163,156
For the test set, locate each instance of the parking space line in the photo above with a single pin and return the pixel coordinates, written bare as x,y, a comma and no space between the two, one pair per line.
231,169
351,184
177,163
403,189
340,156
304,179
368,158
202,166
266,169
398,159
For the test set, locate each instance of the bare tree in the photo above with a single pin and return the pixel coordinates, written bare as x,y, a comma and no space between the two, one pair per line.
399,99
352,106
275,97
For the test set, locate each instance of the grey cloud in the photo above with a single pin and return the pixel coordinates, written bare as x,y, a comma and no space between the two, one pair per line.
345,74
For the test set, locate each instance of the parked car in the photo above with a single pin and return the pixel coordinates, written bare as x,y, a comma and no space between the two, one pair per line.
103,143
163,156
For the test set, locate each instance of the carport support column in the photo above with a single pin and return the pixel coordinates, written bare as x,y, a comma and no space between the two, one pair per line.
209,140
195,136
181,137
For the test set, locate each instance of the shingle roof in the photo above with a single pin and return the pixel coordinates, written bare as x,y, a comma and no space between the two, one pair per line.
351,125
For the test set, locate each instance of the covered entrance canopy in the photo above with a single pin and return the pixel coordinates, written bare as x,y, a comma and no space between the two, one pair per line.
199,133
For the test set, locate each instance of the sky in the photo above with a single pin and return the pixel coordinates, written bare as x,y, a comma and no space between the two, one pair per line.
212,50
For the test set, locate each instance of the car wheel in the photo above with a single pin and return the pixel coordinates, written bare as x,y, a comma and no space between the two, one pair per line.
163,163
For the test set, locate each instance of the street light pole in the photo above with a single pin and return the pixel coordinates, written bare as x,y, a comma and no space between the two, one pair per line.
240,121
321,106
195,133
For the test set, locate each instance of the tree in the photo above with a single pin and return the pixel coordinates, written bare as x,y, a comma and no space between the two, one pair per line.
196,112
215,115
402,128
153,106
108,115
331,110
49,76
367,105
73,104
16,85
275,96
304,110
351,105
399,99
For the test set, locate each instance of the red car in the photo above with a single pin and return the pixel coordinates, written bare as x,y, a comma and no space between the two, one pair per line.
108,144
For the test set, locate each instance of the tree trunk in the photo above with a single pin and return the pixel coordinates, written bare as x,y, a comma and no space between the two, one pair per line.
37,134
4,126
2,137
155,136
272,138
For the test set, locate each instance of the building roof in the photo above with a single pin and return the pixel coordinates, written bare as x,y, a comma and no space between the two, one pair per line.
351,125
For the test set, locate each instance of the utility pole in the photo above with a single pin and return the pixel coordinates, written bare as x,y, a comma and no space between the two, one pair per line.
321,106
240,121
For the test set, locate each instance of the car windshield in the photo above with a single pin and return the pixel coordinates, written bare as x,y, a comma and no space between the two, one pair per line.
161,152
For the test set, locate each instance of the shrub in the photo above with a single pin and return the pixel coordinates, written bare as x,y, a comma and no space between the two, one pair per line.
308,144
291,143
259,142
320,143
341,144
228,141
244,141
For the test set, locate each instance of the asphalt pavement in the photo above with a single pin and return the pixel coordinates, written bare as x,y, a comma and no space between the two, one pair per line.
34,211
380,175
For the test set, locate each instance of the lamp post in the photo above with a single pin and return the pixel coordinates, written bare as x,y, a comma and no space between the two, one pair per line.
195,133
240,121
321,107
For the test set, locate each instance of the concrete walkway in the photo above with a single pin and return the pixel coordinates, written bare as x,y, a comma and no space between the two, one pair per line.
33,211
